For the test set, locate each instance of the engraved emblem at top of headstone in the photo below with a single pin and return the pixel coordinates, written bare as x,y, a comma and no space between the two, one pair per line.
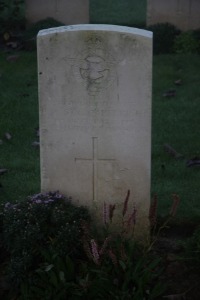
94,71
94,66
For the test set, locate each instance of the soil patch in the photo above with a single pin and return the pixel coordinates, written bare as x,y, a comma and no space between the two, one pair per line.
181,278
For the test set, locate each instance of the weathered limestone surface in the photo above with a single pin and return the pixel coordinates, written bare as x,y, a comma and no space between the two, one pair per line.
95,115
66,11
185,14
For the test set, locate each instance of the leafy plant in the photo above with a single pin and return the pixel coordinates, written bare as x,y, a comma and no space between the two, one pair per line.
12,14
57,278
124,272
43,221
115,267
118,262
164,35
187,42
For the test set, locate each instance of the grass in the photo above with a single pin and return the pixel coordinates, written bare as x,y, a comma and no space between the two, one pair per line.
19,117
175,121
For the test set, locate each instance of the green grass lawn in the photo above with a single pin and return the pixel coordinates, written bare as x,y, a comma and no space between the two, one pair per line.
175,121
19,117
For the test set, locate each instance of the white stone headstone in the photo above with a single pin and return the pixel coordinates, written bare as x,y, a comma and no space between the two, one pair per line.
95,115
65,11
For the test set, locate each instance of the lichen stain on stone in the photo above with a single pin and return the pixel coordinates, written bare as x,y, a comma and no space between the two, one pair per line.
53,38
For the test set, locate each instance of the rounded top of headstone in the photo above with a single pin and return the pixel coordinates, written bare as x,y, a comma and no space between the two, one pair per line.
97,27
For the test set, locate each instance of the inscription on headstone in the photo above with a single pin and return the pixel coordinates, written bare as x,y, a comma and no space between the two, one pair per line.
94,66
95,115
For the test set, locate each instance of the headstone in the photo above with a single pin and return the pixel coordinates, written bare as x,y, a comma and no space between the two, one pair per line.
95,115
185,14
65,11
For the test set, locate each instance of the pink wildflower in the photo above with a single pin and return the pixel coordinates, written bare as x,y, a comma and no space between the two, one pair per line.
132,218
113,257
105,244
111,211
126,203
95,252
105,213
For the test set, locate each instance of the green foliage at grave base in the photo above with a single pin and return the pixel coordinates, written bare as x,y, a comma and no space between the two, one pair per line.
42,222
62,278
115,266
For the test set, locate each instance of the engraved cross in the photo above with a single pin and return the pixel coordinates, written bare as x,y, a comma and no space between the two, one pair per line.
95,160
